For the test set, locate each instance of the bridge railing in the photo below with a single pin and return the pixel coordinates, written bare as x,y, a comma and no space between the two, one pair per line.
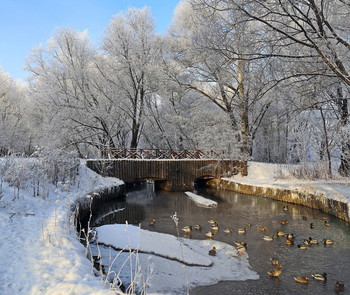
161,154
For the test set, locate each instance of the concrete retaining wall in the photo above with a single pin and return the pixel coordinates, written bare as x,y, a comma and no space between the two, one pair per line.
320,202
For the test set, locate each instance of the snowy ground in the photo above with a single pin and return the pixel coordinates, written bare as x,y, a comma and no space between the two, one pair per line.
276,175
39,250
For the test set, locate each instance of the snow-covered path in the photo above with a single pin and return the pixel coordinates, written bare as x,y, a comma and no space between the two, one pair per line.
39,250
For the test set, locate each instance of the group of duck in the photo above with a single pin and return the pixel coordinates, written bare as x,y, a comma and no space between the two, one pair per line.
241,246
339,286
276,272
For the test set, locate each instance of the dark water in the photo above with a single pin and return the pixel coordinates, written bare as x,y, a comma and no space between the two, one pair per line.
236,211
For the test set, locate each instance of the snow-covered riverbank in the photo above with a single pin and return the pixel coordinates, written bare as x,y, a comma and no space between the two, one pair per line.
276,176
39,250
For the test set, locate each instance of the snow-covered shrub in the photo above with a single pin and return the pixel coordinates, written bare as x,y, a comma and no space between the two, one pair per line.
59,165
45,167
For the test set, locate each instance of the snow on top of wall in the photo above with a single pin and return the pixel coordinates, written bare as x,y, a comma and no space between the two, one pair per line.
269,175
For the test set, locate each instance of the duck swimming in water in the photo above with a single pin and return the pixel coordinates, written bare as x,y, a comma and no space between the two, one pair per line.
328,242
339,286
319,276
302,280
267,238
187,228
209,234
275,272
242,230
326,223
313,241
290,236
197,227
289,242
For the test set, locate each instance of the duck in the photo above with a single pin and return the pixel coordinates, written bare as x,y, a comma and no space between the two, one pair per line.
339,286
152,222
209,234
227,230
267,238
197,227
284,221
313,241
275,272
303,247
312,225
241,249
328,242
214,228
262,228
240,243
213,221
289,242
326,223
320,276
285,208
303,217
290,236
274,261
212,252
302,280
324,217
280,233
242,230
306,242
187,228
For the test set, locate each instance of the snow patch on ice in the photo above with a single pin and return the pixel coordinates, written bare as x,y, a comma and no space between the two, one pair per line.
168,273
201,201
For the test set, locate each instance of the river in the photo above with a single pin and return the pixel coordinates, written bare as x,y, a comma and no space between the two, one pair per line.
238,211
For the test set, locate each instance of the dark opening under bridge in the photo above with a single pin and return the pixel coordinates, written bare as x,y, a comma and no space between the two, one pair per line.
172,170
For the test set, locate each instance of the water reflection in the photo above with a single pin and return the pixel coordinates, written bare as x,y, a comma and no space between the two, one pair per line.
237,211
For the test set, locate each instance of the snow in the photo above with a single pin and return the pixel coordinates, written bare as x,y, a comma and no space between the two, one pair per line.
39,249
201,201
143,240
279,176
171,254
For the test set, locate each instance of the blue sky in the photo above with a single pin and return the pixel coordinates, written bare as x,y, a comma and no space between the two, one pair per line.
25,24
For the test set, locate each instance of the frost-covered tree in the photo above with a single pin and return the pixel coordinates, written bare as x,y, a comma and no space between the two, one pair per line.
67,86
16,133
210,49
132,64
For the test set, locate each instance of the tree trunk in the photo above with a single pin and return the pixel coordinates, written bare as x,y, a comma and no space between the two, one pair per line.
245,150
344,168
243,110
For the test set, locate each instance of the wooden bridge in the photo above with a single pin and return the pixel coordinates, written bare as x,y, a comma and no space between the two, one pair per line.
172,170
